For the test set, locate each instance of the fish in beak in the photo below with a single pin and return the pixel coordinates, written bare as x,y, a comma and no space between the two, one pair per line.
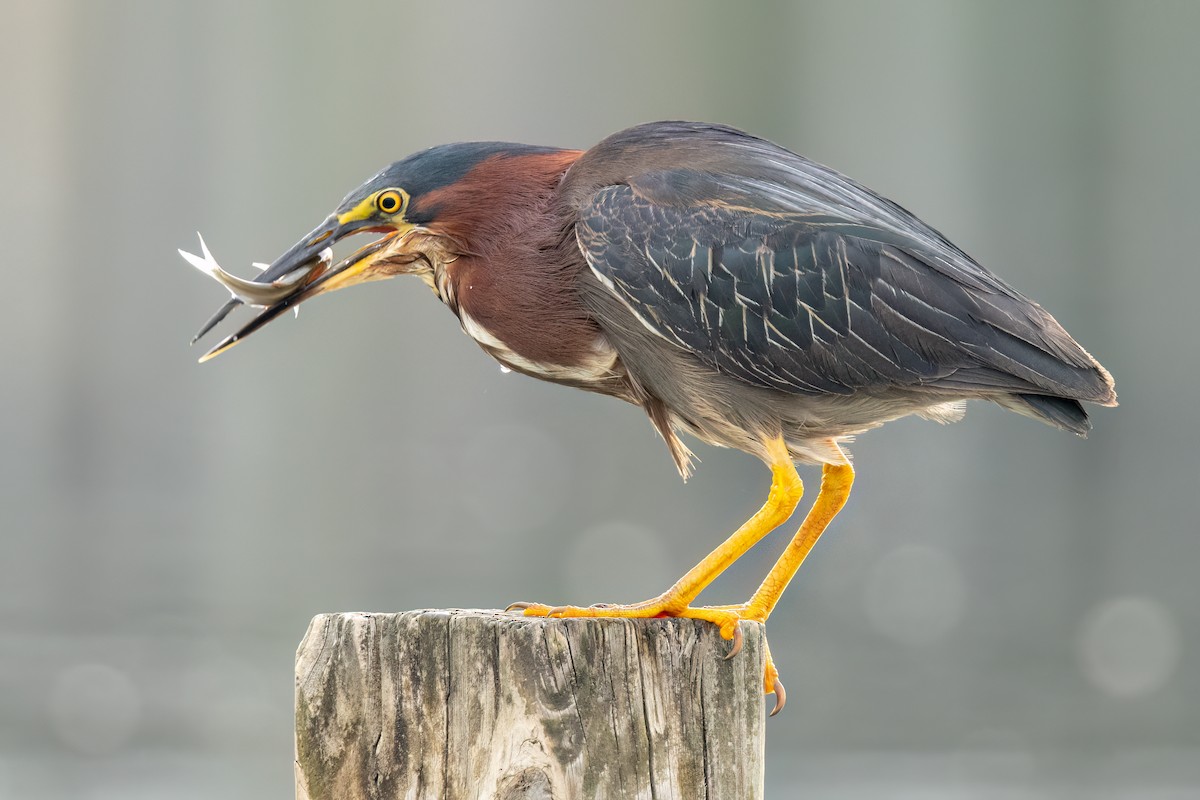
252,292
304,271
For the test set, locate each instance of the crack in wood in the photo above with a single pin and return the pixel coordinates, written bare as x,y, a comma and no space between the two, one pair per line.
386,710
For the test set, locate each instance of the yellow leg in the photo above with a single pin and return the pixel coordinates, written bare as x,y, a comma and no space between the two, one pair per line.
836,480
786,490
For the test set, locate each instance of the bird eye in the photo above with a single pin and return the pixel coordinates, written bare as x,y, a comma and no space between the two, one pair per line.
389,202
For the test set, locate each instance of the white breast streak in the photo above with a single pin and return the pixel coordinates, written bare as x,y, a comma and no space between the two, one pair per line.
597,366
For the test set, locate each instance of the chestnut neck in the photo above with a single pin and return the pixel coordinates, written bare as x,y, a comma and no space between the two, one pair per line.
516,266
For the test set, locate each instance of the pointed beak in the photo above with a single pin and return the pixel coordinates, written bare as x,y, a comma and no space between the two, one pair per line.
308,250
299,274
303,255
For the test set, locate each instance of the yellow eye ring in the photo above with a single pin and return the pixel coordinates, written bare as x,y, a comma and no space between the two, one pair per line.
389,202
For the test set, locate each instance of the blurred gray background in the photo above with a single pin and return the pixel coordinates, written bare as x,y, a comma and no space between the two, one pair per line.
1002,610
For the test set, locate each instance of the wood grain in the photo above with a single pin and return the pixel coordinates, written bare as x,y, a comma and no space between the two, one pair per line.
482,704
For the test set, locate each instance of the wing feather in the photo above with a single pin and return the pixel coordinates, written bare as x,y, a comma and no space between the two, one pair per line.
800,300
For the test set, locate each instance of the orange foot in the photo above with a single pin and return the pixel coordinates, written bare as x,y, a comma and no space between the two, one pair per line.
726,618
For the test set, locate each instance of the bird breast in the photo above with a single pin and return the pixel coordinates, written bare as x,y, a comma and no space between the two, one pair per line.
597,365
528,317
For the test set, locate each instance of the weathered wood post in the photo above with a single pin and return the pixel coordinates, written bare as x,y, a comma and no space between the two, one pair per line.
451,705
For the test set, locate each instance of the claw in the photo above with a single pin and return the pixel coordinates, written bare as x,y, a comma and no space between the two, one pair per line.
531,609
736,647
780,696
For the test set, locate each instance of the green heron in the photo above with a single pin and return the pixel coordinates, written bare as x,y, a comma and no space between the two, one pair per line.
734,290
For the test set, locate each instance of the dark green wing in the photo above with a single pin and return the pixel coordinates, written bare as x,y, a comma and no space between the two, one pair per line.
808,301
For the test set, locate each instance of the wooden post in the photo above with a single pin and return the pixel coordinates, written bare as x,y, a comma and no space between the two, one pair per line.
450,705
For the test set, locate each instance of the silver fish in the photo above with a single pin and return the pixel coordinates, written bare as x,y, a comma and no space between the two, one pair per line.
252,292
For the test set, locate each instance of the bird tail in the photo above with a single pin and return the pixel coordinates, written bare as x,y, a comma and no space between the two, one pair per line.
1061,412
